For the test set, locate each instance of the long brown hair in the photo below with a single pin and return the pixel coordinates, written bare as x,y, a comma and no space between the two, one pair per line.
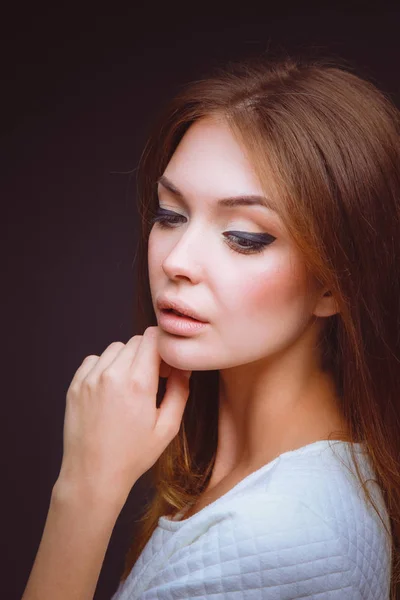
324,143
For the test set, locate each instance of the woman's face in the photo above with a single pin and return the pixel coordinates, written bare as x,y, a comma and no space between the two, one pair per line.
256,304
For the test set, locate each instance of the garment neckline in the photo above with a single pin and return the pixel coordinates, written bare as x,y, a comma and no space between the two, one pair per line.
173,524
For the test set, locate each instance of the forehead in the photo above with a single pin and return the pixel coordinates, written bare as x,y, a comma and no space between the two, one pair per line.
209,162
227,202
208,152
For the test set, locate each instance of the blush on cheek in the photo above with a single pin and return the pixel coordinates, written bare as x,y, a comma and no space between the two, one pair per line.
266,312
272,291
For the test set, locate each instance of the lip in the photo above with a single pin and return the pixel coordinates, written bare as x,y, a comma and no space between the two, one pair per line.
181,307
182,326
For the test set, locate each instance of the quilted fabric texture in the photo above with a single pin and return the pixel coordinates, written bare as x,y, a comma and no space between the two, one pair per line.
298,527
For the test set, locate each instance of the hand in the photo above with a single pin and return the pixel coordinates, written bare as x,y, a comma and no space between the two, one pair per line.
113,432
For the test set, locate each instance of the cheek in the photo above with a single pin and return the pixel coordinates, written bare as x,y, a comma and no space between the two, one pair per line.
279,287
154,262
267,310
155,256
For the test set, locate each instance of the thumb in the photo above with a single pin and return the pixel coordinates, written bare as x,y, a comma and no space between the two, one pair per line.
173,403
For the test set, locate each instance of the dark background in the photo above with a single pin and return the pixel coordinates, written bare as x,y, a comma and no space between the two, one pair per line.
80,90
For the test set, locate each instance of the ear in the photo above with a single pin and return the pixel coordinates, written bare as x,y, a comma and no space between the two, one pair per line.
326,305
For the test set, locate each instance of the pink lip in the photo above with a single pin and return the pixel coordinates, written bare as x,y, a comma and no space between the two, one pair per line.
180,307
179,325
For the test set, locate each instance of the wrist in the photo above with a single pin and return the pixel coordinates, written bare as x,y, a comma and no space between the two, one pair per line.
88,496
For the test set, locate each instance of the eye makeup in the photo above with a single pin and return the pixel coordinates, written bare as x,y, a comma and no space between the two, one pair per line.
253,243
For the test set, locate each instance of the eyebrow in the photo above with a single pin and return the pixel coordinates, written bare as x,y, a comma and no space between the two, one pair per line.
230,202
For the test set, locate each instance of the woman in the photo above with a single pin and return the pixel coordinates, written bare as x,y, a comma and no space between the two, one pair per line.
270,205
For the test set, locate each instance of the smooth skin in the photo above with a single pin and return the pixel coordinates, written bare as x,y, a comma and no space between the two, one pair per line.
265,310
113,433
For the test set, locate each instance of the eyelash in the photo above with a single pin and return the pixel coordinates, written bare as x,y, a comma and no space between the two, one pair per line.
165,221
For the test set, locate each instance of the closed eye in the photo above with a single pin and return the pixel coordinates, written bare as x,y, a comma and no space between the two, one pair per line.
253,242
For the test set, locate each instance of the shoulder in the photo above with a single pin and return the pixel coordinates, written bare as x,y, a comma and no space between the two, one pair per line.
327,484
310,522
300,529
273,543
286,543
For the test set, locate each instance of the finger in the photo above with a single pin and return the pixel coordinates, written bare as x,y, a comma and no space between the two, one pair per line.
86,366
173,405
109,355
125,357
145,367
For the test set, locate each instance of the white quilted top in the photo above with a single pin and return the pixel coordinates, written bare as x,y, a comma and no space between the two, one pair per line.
298,527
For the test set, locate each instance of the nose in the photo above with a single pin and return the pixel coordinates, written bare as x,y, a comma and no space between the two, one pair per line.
187,254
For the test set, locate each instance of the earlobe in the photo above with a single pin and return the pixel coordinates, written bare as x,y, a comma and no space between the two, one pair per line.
326,306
